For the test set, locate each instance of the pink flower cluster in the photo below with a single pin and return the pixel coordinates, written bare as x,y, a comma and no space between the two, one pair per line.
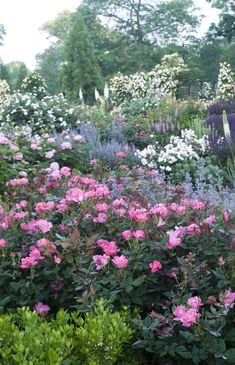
17,182
43,207
37,226
108,247
33,258
175,237
44,247
101,261
188,316
138,234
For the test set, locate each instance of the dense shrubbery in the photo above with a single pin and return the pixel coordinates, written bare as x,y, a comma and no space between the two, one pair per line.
89,211
48,114
99,338
67,240
162,80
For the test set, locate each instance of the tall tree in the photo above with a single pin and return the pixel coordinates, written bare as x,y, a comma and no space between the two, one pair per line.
159,21
114,50
17,72
49,66
81,69
4,73
226,26
50,62
2,33
59,28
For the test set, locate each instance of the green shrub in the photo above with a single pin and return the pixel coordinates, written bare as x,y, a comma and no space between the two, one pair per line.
97,339
102,335
27,339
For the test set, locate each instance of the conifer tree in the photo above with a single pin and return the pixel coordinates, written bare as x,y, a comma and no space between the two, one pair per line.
81,70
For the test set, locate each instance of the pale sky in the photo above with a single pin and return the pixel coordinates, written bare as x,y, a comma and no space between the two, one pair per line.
23,18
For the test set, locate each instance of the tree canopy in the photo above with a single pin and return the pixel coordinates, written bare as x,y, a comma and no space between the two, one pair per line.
226,26
2,33
149,20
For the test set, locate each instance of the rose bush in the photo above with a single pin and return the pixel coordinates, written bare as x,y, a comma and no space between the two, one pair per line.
70,239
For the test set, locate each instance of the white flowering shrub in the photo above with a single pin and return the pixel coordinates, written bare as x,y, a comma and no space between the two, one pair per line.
185,148
50,113
4,90
138,85
147,155
226,82
207,92
164,77
162,80
34,84
119,89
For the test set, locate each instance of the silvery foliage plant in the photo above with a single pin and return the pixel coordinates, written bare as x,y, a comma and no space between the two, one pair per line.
209,189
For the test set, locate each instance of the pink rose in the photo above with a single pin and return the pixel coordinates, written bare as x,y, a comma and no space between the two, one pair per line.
65,171
174,239
57,259
221,261
101,207
193,229
101,261
197,205
43,225
42,309
3,243
186,316
102,218
50,154
120,261
78,138
54,166
139,234
93,162
126,235
109,247
229,299
35,147
23,174
155,266
66,146
210,219
195,302
51,140
42,190
121,154
225,216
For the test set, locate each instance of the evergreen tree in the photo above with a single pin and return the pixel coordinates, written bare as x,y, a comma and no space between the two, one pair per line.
81,68
17,72
49,65
4,73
